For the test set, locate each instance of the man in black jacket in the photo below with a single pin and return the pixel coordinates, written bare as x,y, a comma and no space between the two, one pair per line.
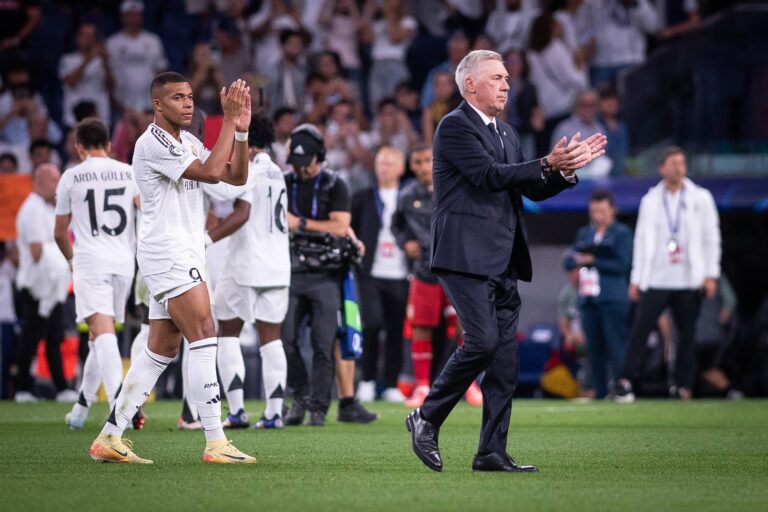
480,250
383,275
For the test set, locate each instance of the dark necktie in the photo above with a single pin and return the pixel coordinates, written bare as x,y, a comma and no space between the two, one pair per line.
497,142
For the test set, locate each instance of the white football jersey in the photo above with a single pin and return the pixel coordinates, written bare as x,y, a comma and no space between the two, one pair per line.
99,194
172,224
258,253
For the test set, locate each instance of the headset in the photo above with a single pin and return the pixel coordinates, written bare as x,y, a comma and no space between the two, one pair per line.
312,131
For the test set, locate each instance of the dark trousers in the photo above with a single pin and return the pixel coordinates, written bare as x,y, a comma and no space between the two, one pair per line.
382,304
33,329
489,309
685,309
605,326
317,296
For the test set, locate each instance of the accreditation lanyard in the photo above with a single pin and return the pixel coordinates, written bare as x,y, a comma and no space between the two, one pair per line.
673,223
380,203
315,194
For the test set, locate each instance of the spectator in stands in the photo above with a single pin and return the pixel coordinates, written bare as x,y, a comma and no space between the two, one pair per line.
676,258
458,48
615,130
136,55
206,80
577,34
603,251
467,16
127,131
391,127
349,147
285,121
620,28
555,73
17,74
232,42
523,109
40,152
9,164
288,75
17,21
342,20
71,156
266,25
43,282
389,34
328,65
484,42
316,99
407,100
678,17
446,99
25,121
585,121
574,342
510,25
382,277
87,75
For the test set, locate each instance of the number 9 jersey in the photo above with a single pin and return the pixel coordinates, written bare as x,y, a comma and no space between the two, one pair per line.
99,195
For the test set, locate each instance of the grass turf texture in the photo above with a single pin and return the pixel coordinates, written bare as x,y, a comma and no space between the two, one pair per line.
652,455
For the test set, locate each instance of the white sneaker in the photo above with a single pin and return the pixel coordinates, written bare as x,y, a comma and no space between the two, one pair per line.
393,395
366,391
67,395
25,397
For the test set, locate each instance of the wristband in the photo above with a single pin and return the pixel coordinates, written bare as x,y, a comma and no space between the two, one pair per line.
241,136
302,223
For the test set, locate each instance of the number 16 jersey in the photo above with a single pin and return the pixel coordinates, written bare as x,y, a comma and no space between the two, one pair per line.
99,195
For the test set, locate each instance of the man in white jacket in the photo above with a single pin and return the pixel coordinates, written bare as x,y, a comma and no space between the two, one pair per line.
676,259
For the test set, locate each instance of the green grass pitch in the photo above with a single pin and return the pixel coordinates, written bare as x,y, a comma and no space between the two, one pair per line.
648,456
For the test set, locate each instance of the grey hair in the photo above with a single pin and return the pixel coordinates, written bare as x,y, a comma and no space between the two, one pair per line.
468,64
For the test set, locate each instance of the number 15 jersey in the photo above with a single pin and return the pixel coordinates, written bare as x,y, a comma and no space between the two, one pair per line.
99,195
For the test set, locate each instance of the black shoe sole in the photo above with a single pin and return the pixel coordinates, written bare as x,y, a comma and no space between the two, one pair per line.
425,461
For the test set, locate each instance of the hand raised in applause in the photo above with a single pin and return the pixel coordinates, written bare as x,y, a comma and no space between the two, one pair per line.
236,103
577,153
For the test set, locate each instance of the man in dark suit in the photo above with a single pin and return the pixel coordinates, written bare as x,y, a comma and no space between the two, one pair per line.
480,250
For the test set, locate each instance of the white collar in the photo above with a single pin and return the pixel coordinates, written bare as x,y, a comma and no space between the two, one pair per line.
484,117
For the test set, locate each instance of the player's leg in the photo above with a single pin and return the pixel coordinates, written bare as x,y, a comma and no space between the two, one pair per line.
102,330
89,388
232,371
274,371
233,306
189,419
191,312
137,347
424,309
350,409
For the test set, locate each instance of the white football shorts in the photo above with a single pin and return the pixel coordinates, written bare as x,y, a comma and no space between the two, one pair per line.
233,300
106,294
167,285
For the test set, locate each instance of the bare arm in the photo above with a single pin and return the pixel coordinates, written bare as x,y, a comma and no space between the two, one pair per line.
36,248
236,103
337,224
231,222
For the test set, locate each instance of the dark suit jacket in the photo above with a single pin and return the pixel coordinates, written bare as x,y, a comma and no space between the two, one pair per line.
613,259
478,226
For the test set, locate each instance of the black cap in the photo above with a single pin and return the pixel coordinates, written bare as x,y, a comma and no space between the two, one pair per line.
304,147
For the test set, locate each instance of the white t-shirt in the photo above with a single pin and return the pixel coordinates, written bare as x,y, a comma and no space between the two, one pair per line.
383,48
7,274
671,271
99,195
172,225
258,253
34,224
91,87
389,261
135,60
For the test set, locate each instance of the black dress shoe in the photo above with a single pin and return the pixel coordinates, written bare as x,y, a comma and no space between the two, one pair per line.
424,436
499,462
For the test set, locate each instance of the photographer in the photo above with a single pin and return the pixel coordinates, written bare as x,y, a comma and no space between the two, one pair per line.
318,216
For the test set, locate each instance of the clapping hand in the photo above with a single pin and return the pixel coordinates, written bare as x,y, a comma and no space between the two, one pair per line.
577,153
236,104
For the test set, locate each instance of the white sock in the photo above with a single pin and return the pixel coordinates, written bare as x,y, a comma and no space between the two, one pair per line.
188,405
139,342
110,364
139,381
232,371
89,387
204,387
274,370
